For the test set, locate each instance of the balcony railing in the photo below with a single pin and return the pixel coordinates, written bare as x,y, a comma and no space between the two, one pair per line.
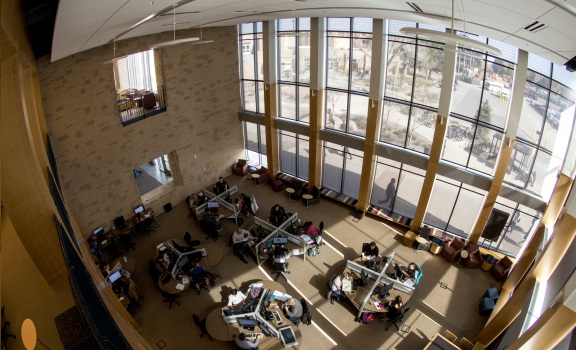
136,106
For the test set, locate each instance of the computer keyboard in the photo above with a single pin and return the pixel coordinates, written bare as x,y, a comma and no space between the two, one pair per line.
277,317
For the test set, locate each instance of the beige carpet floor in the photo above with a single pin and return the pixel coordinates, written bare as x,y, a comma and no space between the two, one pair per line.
432,307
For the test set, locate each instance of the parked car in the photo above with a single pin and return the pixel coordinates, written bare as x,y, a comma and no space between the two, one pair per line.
553,118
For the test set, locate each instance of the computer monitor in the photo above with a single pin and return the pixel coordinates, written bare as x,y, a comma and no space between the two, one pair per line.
113,277
232,312
119,222
213,205
196,255
248,306
281,240
288,337
266,299
247,322
182,262
99,230
139,209
364,277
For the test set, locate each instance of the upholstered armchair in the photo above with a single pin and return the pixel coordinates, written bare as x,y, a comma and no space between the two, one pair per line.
501,268
264,177
453,249
474,259
240,167
315,197
299,187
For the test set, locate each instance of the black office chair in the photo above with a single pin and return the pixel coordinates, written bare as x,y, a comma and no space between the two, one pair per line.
280,269
125,242
202,325
210,229
315,197
170,298
188,239
396,320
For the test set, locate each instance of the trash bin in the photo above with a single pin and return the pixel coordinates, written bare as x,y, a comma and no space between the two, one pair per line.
489,260
437,245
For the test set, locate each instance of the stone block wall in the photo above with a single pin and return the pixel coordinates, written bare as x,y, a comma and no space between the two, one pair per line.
95,154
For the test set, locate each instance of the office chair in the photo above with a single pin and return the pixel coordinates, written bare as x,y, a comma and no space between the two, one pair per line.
170,298
188,239
202,325
210,229
126,243
449,335
280,270
396,320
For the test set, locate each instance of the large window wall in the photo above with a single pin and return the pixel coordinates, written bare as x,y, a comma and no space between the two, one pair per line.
255,143
251,71
348,71
294,70
414,67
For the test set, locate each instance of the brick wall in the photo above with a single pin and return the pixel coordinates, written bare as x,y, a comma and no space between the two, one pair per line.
95,154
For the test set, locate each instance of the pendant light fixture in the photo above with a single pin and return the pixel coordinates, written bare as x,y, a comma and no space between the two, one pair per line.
202,41
174,41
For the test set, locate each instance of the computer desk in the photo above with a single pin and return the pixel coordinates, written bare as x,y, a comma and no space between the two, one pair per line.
112,235
214,254
128,263
357,297
219,330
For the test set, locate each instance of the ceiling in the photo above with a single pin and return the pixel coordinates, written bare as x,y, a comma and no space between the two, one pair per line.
84,24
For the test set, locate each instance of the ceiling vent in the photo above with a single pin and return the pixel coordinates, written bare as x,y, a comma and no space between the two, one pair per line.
415,7
535,27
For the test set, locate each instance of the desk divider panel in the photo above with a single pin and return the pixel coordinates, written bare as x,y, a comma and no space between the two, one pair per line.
278,232
255,315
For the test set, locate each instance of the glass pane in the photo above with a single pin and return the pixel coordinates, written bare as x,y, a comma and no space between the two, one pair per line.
539,64
287,101
262,139
249,96
520,164
533,112
558,126
564,90
400,70
303,154
428,76
287,48
544,173
384,187
336,106
259,60
467,85
441,202
539,79
253,156
421,130
408,193
465,212
362,25
509,52
496,97
261,97
458,141
332,172
251,137
358,115
248,58
395,26
352,175
288,154
304,59
304,104
339,24
361,64
338,62
485,150
394,121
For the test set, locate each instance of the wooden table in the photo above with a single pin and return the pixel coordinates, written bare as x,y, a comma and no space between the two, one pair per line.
214,255
219,330
290,190
170,286
441,343
255,178
358,297
307,197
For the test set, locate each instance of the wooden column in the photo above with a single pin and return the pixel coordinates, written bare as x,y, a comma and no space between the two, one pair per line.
438,139
514,113
317,99
374,115
271,96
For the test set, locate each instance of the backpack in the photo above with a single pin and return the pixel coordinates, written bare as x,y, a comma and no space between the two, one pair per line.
367,317
313,251
306,315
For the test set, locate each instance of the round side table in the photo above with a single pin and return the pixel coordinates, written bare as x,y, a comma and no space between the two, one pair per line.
290,190
307,197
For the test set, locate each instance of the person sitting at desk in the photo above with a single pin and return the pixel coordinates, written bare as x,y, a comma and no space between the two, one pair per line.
239,238
246,205
337,284
277,215
211,217
311,229
412,271
221,186
394,308
280,255
370,255
236,298
244,344
293,310
93,243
